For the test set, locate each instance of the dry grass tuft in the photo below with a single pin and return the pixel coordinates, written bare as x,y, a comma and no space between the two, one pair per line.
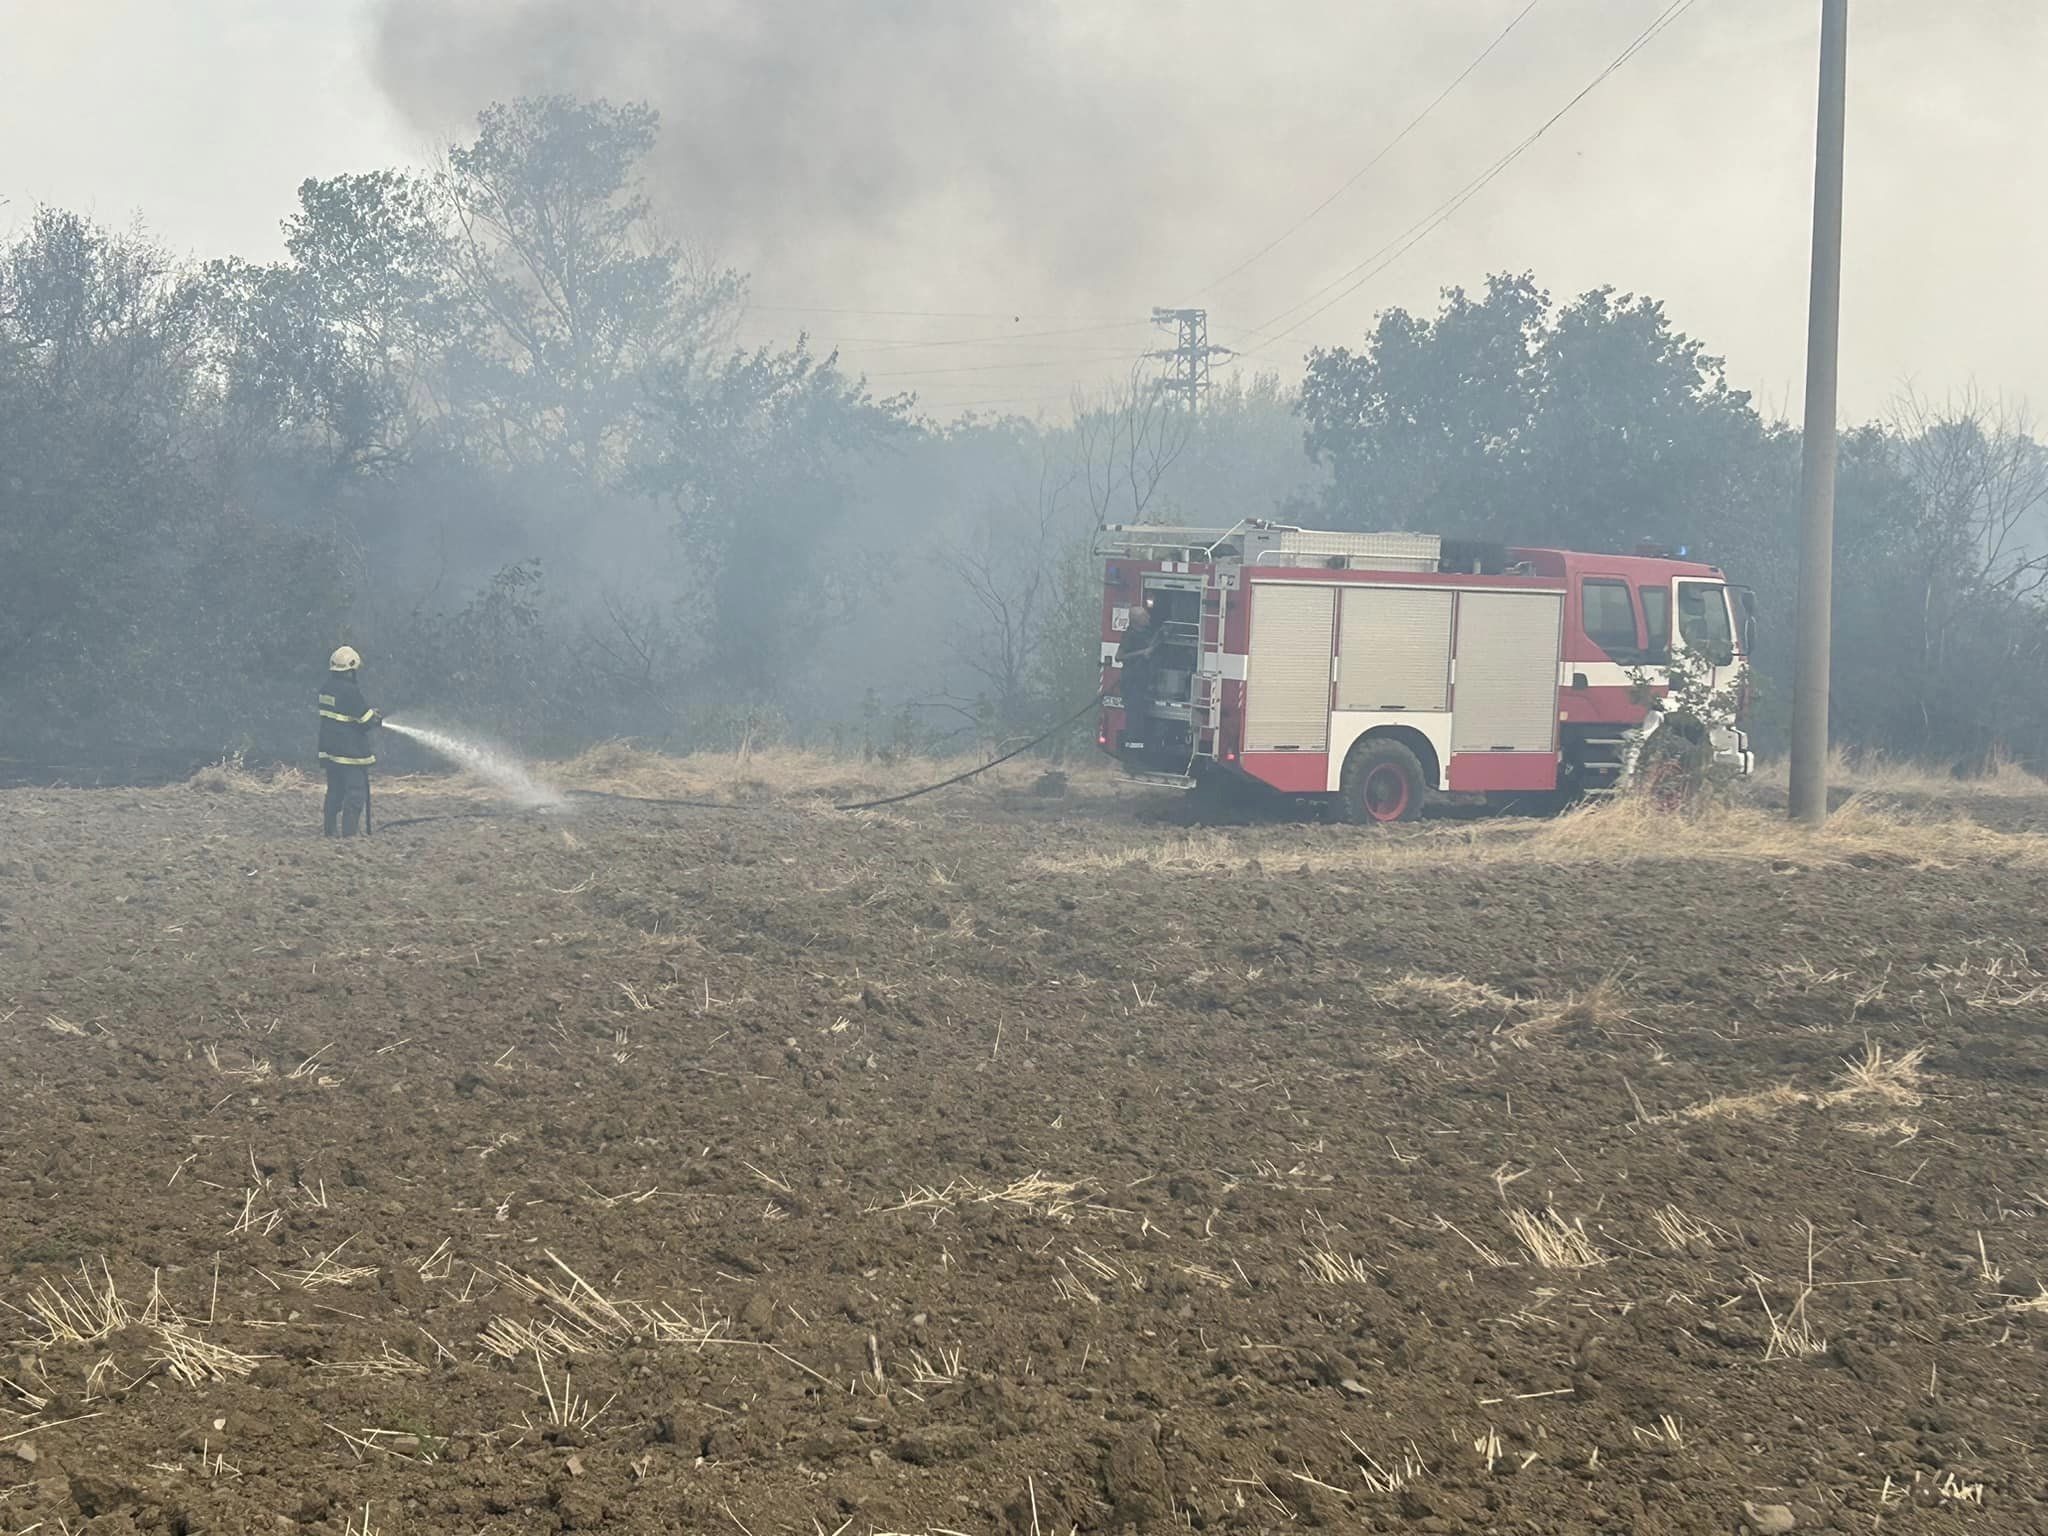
1450,995
1793,1336
1874,1075
1668,1433
81,1312
1553,1242
578,1319
1518,1020
1760,1105
1875,773
1628,830
944,1371
773,773
567,1409
192,1358
91,1310
232,775
1600,1006
1877,1074
1679,1231
581,1318
328,1269
386,1362
2005,976
1324,1265
1379,1478
1035,1194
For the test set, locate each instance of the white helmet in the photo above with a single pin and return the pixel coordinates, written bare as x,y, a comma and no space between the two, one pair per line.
345,660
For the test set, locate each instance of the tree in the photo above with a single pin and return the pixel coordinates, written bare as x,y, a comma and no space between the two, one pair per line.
1126,440
1635,433
1244,457
754,457
556,246
1946,570
352,339
1009,571
1595,424
1426,426
98,333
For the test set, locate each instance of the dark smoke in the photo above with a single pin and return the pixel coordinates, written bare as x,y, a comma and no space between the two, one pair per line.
1083,159
798,121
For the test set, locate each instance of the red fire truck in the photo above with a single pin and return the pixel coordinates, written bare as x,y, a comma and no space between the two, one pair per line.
1384,669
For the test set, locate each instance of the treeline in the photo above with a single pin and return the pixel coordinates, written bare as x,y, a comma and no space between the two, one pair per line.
489,424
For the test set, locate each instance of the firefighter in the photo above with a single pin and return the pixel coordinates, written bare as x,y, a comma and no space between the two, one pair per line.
345,751
1134,655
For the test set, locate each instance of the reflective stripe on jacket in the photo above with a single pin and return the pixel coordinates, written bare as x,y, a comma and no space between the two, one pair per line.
345,721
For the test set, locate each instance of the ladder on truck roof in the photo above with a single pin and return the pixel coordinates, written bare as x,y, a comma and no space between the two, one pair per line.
1258,541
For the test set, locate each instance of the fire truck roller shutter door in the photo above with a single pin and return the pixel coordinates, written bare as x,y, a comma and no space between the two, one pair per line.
1395,649
1287,691
1506,696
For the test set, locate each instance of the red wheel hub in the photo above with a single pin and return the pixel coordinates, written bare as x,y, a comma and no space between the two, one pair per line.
1386,792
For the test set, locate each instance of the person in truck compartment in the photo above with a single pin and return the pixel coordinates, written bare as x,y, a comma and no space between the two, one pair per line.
1134,655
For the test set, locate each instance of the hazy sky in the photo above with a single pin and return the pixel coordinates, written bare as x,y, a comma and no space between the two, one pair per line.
1005,167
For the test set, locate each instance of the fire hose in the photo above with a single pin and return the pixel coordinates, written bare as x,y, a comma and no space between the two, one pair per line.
961,778
858,805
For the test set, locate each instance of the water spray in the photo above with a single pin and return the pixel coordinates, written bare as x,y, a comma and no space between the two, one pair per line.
494,768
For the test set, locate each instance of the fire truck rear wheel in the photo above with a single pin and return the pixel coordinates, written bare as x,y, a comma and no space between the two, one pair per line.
1382,783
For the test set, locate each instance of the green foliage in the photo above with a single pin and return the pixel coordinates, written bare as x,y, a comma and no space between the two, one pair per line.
452,381
1593,424
1070,667
579,294
349,342
755,456
1677,761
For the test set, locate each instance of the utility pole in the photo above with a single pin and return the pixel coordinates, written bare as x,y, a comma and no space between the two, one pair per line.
1817,465
1189,375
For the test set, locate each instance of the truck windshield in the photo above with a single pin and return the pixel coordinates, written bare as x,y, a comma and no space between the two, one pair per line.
1703,620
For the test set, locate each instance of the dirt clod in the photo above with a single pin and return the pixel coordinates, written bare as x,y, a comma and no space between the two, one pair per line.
1134,1477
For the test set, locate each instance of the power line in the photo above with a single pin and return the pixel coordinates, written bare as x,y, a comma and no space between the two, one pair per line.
1044,362
1008,405
1355,277
1385,149
906,314
1401,244
904,344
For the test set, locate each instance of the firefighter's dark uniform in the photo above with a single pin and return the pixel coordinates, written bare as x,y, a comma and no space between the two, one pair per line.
346,753
1134,655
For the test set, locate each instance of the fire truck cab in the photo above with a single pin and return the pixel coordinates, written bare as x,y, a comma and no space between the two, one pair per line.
1385,668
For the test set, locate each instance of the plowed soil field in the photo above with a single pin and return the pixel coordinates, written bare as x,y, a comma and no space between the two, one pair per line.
1008,1164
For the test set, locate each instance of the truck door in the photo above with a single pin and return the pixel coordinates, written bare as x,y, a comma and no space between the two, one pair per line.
1707,629
1504,691
1287,676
